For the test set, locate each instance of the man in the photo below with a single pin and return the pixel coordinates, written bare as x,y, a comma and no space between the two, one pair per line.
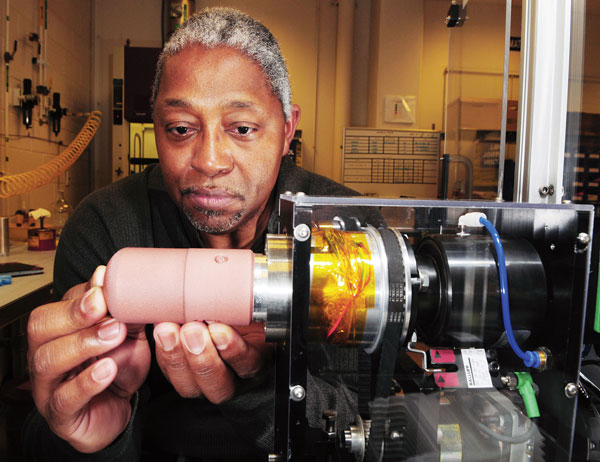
223,123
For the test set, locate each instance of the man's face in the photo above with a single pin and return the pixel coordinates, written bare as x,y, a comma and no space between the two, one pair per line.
220,134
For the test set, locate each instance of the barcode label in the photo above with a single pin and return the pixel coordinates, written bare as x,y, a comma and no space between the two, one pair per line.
476,368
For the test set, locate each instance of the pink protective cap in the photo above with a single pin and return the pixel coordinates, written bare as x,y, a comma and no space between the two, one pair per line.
180,285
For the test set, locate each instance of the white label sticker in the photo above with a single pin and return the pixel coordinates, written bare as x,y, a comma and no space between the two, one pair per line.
476,368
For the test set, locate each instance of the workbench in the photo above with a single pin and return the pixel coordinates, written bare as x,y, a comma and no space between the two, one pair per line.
26,292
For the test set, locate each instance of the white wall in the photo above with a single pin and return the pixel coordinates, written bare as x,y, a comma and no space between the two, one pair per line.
325,152
411,49
68,73
360,68
398,56
434,61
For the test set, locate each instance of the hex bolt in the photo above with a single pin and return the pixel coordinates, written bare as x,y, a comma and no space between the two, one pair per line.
509,381
297,393
302,232
570,390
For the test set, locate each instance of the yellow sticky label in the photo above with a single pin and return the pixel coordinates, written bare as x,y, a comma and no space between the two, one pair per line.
450,443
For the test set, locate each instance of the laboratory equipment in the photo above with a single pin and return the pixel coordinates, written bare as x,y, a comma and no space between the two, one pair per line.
455,328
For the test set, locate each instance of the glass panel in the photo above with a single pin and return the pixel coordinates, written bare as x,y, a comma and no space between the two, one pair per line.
582,146
474,101
404,320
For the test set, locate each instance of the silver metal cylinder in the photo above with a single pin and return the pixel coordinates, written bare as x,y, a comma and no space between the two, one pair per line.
273,287
377,315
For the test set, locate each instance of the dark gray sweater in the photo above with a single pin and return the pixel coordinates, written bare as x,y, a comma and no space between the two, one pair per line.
137,212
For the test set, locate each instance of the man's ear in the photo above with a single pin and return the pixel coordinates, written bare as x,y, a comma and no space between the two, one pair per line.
290,128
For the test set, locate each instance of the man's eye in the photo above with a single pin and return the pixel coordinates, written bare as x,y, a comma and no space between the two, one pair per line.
243,130
181,130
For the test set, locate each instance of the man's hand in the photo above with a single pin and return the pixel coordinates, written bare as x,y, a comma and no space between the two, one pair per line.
85,366
212,360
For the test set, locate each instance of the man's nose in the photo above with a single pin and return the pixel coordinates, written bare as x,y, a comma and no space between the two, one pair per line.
212,155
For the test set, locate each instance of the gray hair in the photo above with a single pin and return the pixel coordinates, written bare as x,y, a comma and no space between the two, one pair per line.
214,27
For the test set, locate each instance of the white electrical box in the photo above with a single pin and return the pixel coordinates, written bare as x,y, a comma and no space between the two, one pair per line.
400,109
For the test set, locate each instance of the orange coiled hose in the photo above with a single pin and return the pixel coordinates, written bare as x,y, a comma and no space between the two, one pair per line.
23,182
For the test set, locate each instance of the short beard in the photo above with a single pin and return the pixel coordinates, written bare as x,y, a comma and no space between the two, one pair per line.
221,224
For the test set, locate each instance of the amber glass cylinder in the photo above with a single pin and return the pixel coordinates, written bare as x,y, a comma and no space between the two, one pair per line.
343,286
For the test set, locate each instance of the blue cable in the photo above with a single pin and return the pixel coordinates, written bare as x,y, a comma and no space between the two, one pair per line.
530,358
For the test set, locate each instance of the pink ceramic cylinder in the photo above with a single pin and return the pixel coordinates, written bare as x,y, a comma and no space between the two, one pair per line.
147,285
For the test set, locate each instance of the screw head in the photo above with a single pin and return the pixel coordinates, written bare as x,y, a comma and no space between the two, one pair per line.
297,393
570,390
583,239
302,232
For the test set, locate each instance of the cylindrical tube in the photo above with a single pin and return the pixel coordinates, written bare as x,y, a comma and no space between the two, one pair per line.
461,304
180,285
348,294
4,240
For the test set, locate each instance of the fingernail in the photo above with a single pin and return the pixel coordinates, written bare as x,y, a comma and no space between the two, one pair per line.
98,276
167,340
102,371
87,303
193,341
220,339
108,330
